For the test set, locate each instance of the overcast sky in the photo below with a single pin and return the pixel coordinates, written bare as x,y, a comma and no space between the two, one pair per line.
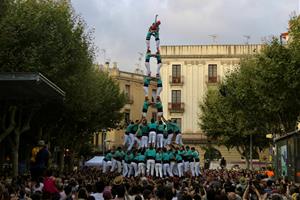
120,26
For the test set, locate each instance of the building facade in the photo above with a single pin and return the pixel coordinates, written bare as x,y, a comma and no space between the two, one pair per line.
132,85
188,71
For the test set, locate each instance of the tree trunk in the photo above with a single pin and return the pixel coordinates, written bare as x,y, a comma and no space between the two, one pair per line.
61,162
12,124
245,156
15,154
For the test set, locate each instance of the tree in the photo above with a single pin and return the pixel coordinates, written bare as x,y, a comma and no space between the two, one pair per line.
48,37
259,98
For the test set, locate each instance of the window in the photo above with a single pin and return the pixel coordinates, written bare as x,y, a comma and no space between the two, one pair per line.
176,96
127,91
178,121
127,117
176,71
212,73
153,95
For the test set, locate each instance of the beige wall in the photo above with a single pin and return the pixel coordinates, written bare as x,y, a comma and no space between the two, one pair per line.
135,103
194,61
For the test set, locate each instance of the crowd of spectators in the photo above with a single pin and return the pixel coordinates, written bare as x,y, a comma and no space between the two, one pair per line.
91,183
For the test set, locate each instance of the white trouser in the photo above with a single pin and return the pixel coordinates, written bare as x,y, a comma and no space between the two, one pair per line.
172,167
157,44
192,168
152,138
141,169
158,170
186,166
113,165
180,169
134,169
138,141
146,90
132,140
197,168
127,140
147,65
125,169
175,170
106,165
119,165
166,169
165,141
169,140
178,139
158,69
159,140
144,142
150,167
148,44
159,89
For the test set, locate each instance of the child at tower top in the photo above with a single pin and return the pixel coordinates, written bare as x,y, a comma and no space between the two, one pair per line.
153,31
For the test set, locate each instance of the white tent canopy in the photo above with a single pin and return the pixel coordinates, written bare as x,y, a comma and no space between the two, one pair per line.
96,161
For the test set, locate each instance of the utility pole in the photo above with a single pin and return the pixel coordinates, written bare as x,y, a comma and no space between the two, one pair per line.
214,38
247,38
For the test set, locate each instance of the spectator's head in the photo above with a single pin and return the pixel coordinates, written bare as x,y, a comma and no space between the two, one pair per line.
82,193
99,186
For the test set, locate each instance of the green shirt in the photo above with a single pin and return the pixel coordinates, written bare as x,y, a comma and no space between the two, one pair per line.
139,133
118,155
129,128
178,157
165,156
195,155
160,128
159,82
169,126
175,127
141,158
134,128
146,80
158,156
145,105
150,153
108,156
158,105
144,129
152,126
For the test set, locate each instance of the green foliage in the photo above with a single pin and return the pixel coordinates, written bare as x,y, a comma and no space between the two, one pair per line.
259,98
46,36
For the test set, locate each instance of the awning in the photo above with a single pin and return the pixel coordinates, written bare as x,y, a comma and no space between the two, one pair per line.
28,86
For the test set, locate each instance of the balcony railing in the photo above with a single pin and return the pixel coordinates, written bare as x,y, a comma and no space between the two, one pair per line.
211,80
176,80
129,99
176,107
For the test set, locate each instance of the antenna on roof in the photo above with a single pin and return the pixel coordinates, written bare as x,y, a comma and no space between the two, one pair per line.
247,38
139,64
214,38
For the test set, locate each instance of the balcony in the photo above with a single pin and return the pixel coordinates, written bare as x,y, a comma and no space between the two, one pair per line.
176,81
176,107
212,80
129,99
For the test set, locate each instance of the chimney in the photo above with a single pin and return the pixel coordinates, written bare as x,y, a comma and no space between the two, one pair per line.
115,65
106,66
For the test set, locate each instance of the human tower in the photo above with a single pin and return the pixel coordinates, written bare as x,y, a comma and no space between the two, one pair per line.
148,147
